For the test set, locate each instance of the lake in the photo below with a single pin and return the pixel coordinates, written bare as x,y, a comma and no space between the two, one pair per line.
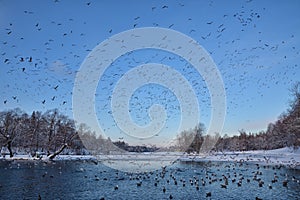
183,180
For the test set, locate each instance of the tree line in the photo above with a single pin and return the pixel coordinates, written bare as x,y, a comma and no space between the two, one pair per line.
285,132
52,133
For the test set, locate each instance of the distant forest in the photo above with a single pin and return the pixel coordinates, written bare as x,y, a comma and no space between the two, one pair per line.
52,133
285,132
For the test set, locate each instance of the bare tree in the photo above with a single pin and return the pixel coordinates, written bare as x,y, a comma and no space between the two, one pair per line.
184,140
63,132
51,117
9,128
35,131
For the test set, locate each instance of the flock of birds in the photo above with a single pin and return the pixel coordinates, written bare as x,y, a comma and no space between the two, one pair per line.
168,181
165,177
43,73
39,69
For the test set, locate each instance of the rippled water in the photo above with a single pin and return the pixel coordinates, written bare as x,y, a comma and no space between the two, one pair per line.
86,180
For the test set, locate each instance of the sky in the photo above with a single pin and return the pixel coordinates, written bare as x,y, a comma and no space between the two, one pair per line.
254,45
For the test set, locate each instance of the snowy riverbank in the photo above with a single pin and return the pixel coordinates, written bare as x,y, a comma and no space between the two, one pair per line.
284,156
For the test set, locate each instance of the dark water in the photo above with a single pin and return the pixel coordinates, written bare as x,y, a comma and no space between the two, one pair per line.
86,180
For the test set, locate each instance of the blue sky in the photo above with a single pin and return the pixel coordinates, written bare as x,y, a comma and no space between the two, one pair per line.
255,45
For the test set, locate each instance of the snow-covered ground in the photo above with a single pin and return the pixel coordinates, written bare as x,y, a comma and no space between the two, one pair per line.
285,156
45,158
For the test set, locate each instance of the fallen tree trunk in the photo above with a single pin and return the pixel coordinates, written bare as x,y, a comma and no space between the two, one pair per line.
52,156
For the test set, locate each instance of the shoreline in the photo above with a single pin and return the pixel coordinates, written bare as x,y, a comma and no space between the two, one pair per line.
285,156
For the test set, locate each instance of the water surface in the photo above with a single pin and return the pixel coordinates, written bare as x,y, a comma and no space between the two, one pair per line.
87,180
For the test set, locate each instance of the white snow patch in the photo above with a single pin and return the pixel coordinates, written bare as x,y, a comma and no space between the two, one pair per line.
285,156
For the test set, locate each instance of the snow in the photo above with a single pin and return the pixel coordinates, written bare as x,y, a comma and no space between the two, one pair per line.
285,156
45,158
